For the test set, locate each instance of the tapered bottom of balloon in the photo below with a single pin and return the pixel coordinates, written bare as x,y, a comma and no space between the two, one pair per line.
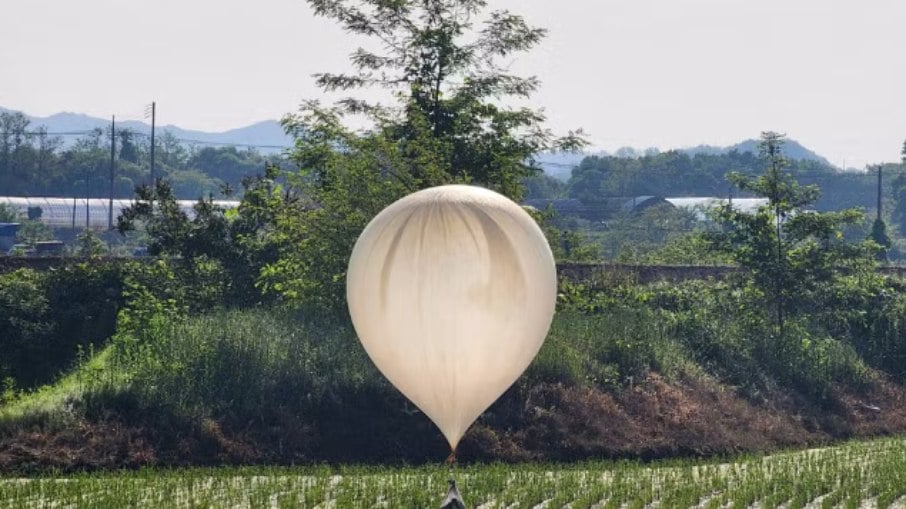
451,459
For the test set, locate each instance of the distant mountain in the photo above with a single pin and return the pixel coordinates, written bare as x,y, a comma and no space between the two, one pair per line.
267,136
560,165
791,149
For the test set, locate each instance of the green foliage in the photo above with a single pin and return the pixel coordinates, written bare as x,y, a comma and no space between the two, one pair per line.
610,348
443,59
447,126
316,237
89,245
24,306
169,227
32,231
899,195
226,165
571,245
241,363
867,311
8,213
674,174
251,363
567,245
880,237
32,163
45,317
193,184
718,329
791,255
630,236
690,249
217,250
543,186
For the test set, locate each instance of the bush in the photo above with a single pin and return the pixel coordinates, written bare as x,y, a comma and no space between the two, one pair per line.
46,317
720,327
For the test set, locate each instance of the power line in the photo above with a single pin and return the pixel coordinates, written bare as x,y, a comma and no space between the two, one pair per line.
146,135
223,143
60,133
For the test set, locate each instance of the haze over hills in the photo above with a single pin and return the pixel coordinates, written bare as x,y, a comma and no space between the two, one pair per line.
268,136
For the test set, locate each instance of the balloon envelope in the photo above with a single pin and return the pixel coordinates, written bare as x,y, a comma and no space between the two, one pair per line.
451,291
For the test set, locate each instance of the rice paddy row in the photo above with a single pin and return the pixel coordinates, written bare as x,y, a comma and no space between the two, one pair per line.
853,475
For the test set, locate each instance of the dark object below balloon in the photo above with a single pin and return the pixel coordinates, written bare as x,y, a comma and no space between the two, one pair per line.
453,500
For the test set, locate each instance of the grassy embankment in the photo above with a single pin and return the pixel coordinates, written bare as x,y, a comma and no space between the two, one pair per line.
647,372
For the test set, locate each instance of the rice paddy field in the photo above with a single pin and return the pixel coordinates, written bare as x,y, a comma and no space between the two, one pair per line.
852,475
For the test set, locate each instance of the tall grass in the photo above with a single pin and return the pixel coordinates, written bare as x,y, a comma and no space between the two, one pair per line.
239,361
609,349
53,403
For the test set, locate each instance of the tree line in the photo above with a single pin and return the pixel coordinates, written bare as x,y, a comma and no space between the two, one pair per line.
34,162
676,173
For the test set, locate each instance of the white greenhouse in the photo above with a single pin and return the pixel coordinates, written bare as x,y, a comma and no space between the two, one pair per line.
76,213
700,205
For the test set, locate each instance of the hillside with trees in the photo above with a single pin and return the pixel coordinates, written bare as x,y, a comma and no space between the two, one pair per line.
34,162
678,173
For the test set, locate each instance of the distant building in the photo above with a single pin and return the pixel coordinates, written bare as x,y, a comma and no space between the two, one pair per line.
606,208
702,204
49,247
72,212
562,207
8,233
640,203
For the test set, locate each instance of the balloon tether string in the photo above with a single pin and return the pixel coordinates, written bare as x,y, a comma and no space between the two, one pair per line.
451,463
451,459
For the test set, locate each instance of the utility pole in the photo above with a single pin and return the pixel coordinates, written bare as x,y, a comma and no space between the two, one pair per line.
880,172
87,199
153,115
112,170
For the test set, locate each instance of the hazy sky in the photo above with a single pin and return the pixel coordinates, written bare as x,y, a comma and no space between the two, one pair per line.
666,73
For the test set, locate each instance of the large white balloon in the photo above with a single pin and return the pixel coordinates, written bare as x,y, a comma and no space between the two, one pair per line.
452,291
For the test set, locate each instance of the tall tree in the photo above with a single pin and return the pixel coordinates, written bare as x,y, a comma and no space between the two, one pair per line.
788,252
447,122
128,150
899,196
442,65
13,143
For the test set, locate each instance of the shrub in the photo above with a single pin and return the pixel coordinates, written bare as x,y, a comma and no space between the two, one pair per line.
45,317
